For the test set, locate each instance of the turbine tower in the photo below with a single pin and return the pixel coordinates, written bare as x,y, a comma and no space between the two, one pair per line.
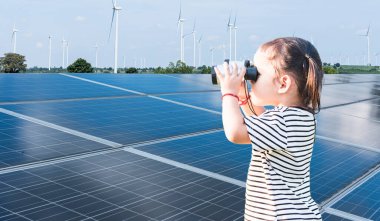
235,30
194,43
67,53
96,55
212,56
180,25
369,55
229,27
49,51
14,32
63,52
199,50
116,9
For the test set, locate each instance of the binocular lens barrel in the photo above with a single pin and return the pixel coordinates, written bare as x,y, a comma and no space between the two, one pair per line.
250,73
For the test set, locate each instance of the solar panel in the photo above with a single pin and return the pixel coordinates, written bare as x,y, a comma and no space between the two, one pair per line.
327,216
32,87
117,186
195,177
124,121
152,83
24,142
214,153
348,129
210,100
363,201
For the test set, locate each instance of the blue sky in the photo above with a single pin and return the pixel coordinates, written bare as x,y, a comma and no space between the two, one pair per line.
148,28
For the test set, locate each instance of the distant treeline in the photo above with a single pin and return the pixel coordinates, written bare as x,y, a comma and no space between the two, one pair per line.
350,69
179,67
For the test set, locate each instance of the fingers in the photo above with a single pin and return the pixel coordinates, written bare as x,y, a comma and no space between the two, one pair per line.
235,69
242,73
218,74
226,69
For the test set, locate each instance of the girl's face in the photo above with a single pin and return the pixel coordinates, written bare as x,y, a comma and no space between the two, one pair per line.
264,90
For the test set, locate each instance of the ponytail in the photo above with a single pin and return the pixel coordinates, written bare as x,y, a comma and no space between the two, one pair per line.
313,85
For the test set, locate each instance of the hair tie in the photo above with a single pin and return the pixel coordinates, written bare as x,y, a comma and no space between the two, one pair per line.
307,56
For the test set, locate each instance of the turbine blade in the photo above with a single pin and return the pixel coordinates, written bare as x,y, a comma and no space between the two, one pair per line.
180,11
113,15
194,25
368,29
235,20
229,20
200,39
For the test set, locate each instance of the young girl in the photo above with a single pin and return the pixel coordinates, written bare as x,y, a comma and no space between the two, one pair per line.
290,79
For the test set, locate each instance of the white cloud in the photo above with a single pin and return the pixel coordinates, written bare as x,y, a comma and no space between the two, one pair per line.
80,18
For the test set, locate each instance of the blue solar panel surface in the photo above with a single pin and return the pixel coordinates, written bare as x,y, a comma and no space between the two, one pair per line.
165,179
30,87
125,121
364,201
117,186
24,142
152,83
212,152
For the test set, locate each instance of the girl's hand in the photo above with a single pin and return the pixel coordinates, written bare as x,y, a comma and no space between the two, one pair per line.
231,82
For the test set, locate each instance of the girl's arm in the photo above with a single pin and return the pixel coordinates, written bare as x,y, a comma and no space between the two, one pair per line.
233,121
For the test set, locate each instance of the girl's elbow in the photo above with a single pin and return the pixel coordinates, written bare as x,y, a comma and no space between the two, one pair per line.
234,138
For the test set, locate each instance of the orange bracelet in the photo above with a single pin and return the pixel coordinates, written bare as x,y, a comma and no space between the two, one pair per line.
229,94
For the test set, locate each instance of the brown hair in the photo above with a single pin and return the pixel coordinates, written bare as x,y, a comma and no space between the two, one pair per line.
299,58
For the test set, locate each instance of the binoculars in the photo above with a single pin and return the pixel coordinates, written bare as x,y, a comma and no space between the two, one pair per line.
250,73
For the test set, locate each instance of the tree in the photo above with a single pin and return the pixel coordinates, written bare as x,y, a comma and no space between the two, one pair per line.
12,63
80,66
131,70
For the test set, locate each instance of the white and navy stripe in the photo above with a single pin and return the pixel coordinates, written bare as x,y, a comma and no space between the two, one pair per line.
278,182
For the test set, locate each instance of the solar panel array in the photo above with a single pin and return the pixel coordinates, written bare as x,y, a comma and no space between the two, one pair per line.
152,147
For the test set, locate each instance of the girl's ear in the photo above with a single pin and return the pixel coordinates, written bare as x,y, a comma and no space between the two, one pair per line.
284,84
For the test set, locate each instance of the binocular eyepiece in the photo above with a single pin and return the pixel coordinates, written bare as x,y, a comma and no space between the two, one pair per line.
250,73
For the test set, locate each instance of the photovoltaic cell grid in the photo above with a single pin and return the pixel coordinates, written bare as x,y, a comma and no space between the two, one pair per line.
117,186
24,142
364,201
32,87
214,153
330,116
126,121
152,83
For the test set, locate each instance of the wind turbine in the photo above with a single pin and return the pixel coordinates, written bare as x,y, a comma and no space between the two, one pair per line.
367,35
229,27
180,25
116,9
376,55
212,56
14,32
63,52
235,30
194,42
96,55
49,51
193,32
67,53
199,50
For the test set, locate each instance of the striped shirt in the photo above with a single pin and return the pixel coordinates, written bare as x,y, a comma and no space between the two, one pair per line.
278,182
